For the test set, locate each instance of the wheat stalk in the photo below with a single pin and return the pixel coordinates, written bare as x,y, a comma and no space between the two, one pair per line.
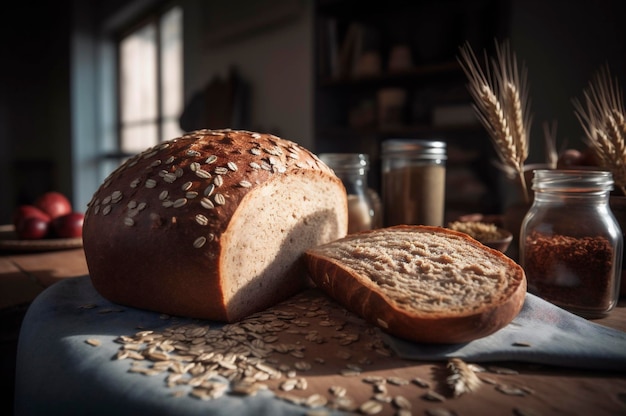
518,130
515,94
462,378
621,122
501,103
602,118
549,134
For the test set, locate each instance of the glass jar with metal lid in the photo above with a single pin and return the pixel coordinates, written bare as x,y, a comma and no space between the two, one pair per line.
570,242
413,181
364,207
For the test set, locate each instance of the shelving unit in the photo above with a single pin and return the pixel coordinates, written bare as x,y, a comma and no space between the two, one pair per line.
355,46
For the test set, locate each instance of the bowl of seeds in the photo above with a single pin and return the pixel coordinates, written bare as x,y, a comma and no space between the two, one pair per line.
487,233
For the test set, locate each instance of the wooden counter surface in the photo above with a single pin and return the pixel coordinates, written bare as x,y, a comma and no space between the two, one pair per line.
549,390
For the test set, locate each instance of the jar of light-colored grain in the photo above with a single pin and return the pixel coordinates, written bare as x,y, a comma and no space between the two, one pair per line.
364,206
413,181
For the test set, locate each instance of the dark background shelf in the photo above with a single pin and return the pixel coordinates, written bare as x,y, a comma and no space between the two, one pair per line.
347,104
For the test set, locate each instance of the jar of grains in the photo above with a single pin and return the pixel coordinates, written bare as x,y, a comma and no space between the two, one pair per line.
364,206
413,182
570,243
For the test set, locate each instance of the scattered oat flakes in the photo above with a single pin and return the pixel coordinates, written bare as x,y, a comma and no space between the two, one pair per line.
510,390
337,391
250,352
380,388
93,342
401,402
374,379
397,381
439,411
348,372
502,370
420,382
315,400
382,397
345,404
433,396
371,407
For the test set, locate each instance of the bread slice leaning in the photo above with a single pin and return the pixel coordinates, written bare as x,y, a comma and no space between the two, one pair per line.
424,284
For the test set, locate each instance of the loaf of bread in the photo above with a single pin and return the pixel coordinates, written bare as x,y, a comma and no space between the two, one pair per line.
424,284
211,225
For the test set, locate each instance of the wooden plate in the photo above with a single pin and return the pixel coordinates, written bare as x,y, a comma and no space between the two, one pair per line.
9,241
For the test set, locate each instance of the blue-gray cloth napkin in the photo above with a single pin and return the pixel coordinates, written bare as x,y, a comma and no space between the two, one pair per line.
542,333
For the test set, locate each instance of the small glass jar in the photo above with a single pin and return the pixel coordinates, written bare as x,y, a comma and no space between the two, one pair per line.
570,242
364,207
413,183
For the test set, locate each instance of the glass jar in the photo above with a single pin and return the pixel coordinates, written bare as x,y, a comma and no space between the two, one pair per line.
364,207
413,183
570,242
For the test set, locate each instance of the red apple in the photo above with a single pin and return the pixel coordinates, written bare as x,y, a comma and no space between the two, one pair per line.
68,225
32,228
27,211
55,204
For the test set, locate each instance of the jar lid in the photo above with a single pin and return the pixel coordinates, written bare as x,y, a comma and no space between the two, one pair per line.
345,161
427,149
557,180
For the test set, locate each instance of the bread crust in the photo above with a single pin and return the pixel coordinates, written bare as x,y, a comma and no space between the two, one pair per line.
155,232
361,296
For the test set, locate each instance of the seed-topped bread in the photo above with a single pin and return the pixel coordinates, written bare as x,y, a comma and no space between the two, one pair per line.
212,224
425,284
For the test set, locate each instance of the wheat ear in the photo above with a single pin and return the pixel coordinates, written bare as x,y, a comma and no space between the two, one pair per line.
515,94
602,119
549,134
501,104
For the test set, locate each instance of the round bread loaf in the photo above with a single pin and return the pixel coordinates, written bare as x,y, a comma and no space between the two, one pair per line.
212,224
425,284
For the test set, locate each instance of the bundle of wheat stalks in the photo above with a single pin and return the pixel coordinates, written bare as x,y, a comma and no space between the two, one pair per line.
603,120
500,93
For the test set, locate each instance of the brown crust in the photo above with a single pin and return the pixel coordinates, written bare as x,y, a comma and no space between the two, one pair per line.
144,226
363,298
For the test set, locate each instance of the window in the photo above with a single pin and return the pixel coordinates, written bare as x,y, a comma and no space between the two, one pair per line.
150,76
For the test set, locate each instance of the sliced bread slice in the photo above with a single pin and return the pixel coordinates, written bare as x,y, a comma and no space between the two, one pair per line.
425,284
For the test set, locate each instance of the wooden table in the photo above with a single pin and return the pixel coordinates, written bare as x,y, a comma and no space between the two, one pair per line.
24,275
550,390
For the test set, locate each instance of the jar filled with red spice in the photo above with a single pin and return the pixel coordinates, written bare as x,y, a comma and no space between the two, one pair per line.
570,242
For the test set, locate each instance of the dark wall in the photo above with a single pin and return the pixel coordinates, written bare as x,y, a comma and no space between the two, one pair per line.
34,101
564,42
